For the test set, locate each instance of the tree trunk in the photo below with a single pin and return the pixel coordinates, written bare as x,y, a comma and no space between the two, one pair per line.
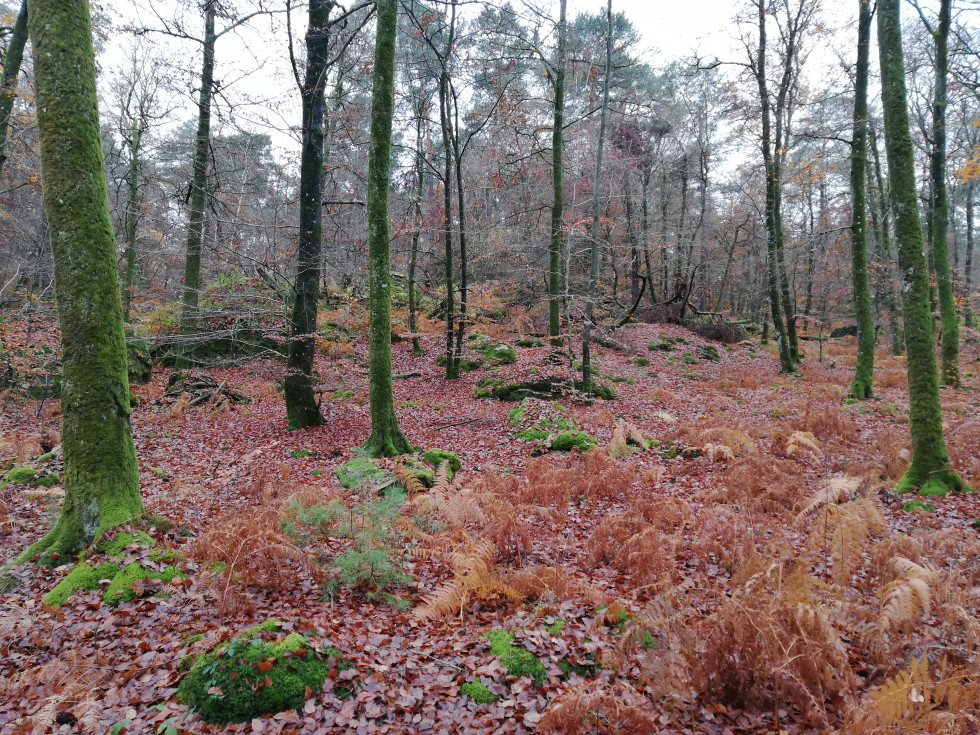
886,254
101,480
944,281
861,387
302,409
452,365
386,438
558,188
968,265
416,233
132,217
929,470
195,229
461,214
11,69
787,364
594,231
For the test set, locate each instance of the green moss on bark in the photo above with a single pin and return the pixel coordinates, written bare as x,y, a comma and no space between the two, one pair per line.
929,469
100,479
386,439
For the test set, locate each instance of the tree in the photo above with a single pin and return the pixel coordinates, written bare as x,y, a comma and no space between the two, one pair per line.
386,438
929,470
101,480
302,409
11,70
862,386
594,229
939,204
557,76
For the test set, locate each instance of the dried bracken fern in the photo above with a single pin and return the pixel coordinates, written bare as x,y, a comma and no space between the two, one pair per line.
802,443
717,453
412,484
551,584
595,709
916,701
844,530
475,579
833,491
909,596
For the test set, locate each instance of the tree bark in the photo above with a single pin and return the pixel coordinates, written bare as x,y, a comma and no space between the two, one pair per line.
861,387
885,250
11,70
386,438
786,362
968,265
940,206
594,231
929,471
132,217
101,480
558,199
416,233
452,365
302,409
202,141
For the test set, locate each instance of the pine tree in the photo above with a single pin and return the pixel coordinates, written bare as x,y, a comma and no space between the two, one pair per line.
101,480
386,438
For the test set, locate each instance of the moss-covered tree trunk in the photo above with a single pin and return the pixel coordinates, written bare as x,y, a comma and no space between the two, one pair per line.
594,229
452,364
101,481
861,387
968,265
417,231
302,409
940,206
132,217
195,228
929,470
11,69
558,186
880,212
786,362
386,438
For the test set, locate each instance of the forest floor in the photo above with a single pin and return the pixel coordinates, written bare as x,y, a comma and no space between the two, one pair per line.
738,576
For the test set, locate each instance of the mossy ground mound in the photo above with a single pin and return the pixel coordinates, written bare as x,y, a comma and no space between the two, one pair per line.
516,660
261,672
502,389
478,692
358,471
127,581
436,457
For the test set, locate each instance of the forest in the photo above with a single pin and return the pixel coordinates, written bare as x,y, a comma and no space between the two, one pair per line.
445,366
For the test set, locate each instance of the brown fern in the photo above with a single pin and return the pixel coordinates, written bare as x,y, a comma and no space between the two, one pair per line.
599,708
475,579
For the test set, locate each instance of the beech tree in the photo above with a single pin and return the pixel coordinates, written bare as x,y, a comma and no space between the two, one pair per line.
386,438
929,471
101,480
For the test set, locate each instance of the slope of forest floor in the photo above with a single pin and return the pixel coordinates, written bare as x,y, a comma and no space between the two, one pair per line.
749,571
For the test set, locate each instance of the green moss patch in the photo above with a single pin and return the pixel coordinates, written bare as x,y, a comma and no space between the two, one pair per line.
20,475
83,577
478,692
261,672
511,390
566,441
436,457
127,583
516,660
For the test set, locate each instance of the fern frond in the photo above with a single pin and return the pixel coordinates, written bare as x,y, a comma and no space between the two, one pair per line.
442,482
909,597
617,445
412,484
834,490
801,443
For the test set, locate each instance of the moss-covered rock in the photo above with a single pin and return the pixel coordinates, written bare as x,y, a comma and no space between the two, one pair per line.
605,392
357,471
127,582
496,353
47,480
21,474
511,390
436,457
261,672
566,441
